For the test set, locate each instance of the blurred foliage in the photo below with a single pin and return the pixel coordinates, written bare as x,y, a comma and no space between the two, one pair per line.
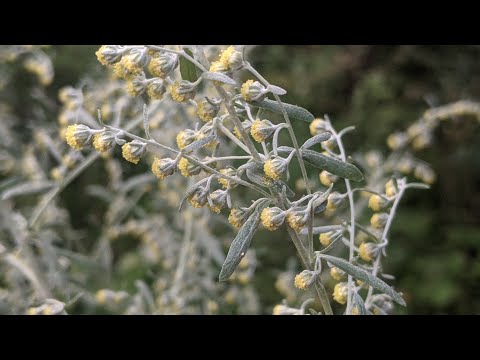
435,248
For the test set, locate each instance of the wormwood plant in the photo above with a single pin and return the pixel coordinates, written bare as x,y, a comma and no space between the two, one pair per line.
224,136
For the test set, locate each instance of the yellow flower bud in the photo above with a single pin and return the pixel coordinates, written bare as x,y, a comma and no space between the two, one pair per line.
206,111
379,220
367,251
326,178
337,274
275,167
340,293
133,151
318,126
185,138
376,202
237,218
252,90
302,280
103,141
261,130
78,136
390,188
162,168
187,169
272,218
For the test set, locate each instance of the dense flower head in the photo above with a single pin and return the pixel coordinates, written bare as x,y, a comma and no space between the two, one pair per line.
367,251
261,130
252,90
132,151
187,168
272,218
225,182
340,293
109,54
379,220
275,167
296,219
302,280
78,136
219,200
390,188
185,138
327,178
162,64
237,217
336,273
181,91
318,126
377,202
104,141
156,89
206,111
164,167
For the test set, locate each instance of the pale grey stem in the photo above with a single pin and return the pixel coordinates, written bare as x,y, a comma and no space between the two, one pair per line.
233,138
391,216
352,219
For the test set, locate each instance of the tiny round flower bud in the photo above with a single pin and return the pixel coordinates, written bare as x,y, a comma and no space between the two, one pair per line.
397,140
104,141
224,182
231,59
376,202
367,251
272,218
327,178
252,90
68,161
340,293
390,188
330,144
302,280
405,166
355,310
421,141
136,85
379,220
327,238
57,173
70,97
373,158
162,64
103,296
187,169
182,91
237,217
415,130
156,89
125,70
162,168
275,167
296,220
247,125
425,174
278,309
336,273
318,126
199,197
206,111
78,136
219,200
335,200
132,151
261,130
109,54
185,138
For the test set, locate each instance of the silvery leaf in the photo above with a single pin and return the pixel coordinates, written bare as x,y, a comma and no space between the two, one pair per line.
316,139
217,76
363,275
241,243
198,144
27,188
277,90
294,112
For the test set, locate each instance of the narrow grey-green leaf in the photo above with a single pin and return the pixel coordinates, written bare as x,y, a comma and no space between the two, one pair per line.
240,244
294,112
187,69
277,90
363,275
216,76
334,166
198,144
316,139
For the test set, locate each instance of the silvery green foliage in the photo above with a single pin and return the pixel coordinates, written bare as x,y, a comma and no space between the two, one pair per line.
51,266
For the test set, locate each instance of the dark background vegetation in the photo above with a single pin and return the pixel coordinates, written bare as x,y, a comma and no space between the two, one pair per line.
435,240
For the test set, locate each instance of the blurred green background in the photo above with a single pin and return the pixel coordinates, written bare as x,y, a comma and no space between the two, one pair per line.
435,244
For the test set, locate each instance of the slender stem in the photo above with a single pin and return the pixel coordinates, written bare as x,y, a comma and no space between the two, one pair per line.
307,262
352,219
233,138
246,139
391,216
290,128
